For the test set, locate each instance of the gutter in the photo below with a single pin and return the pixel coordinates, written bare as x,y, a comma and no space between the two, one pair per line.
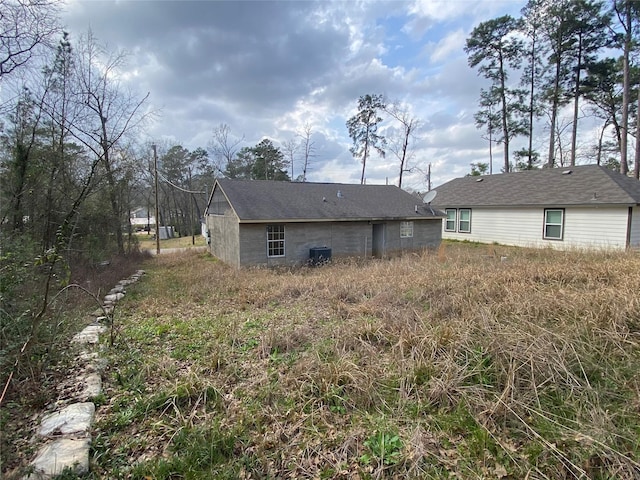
324,220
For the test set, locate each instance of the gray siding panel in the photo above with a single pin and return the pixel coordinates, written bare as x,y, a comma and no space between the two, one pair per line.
426,234
345,239
224,238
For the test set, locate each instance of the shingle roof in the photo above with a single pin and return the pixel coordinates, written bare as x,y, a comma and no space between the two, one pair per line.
264,200
579,185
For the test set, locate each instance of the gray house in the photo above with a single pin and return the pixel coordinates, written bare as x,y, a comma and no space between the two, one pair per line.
261,222
586,206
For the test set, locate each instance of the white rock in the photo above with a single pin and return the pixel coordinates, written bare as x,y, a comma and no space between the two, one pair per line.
91,334
113,297
92,386
74,418
54,457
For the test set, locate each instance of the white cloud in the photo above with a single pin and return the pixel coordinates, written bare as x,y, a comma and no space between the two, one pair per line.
452,45
269,68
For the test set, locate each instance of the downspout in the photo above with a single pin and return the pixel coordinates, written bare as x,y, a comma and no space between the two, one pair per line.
627,245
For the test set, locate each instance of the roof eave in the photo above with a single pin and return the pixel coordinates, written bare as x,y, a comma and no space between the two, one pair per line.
539,205
321,220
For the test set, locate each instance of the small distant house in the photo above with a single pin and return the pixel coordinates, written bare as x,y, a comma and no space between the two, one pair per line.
261,222
141,220
578,207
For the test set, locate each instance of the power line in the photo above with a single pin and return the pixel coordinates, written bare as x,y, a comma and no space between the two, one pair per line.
165,179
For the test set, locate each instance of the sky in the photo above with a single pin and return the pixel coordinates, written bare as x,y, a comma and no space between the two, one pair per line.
268,68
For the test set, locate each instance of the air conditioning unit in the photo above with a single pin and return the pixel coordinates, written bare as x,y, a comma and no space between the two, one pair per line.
319,255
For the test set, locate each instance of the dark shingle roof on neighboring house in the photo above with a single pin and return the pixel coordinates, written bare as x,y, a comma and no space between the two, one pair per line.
579,185
264,200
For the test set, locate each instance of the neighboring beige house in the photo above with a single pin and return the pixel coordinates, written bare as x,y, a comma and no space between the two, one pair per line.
261,222
585,206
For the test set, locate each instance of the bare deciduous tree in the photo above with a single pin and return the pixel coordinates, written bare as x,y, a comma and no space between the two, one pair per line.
290,148
308,149
111,112
224,146
25,25
400,144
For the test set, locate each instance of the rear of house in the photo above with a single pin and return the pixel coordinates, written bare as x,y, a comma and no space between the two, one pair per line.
284,223
578,207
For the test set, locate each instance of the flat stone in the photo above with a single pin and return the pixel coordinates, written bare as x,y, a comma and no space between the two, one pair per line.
74,418
92,386
90,334
114,297
117,289
54,457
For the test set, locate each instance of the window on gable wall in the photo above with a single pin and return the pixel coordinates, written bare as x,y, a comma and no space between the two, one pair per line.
553,224
464,220
406,229
452,217
275,240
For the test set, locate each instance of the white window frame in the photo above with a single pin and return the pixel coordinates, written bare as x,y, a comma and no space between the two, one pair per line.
406,229
454,220
460,221
275,241
549,224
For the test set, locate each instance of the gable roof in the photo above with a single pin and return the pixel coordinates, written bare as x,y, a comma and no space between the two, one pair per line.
266,200
579,185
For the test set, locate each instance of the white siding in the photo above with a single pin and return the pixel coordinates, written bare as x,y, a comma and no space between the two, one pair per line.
635,228
583,227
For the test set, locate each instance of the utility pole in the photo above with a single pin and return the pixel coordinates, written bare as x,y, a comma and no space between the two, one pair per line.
155,171
193,237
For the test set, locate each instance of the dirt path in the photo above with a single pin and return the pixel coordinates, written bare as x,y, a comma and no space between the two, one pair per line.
164,251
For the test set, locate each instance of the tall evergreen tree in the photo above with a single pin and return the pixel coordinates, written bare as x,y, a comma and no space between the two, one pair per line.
558,33
264,161
531,23
488,117
627,13
602,88
363,129
589,24
494,49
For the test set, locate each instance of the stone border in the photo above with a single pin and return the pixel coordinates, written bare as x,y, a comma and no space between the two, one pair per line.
66,430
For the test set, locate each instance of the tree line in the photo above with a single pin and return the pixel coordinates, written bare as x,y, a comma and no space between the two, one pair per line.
558,63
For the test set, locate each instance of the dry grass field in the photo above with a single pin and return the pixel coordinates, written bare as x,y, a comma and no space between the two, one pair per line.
470,362
148,242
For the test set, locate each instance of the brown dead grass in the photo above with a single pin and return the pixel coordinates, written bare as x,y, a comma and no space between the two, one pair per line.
485,361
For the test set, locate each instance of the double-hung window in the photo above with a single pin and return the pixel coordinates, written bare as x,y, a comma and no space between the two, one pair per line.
406,229
275,240
452,217
464,220
553,224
